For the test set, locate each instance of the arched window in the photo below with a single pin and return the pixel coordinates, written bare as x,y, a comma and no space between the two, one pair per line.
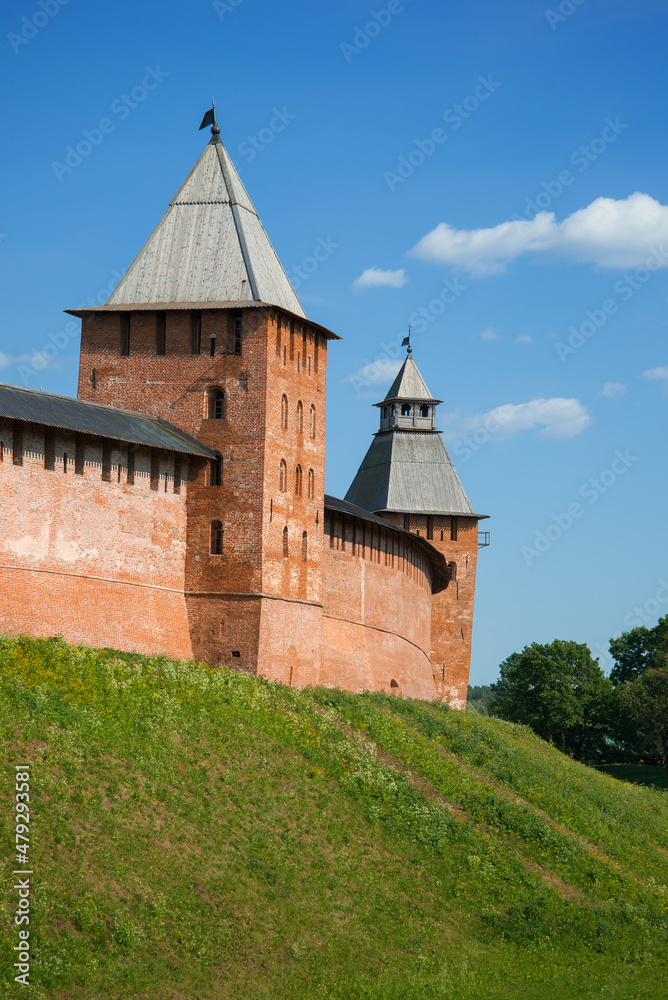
452,570
285,543
312,421
216,538
311,484
298,481
304,547
405,410
216,404
284,412
216,471
424,411
384,413
300,417
283,476
393,685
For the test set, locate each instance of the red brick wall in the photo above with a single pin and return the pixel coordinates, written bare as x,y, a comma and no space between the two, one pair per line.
100,563
452,609
377,610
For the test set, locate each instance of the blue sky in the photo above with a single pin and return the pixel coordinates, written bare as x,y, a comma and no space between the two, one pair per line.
413,143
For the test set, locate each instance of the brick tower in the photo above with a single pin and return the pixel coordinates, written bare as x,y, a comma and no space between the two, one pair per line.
407,477
206,332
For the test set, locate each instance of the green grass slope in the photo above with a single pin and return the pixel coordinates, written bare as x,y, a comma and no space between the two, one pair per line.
198,834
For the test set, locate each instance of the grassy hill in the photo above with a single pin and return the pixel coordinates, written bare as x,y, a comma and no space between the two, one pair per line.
199,834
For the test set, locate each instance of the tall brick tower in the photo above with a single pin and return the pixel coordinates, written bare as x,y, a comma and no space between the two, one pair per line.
407,477
205,331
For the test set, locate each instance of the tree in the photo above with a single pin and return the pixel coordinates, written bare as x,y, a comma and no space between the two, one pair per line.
645,699
558,689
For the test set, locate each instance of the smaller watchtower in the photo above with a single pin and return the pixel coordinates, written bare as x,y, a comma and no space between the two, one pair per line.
407,477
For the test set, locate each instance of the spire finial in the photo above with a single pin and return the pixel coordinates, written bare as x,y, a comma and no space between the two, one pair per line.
210,119
406,342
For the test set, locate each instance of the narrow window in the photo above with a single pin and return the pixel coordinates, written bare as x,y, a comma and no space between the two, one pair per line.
65,462
284,412
309,364
216,471
131,464
195,332
315,352
49,448
407,522
453,529
430,527
79,455
216,538
304,343
283,476
299,361
155,469
312,421
304,547
452,570
216,408
106,461
125,335
212,345
177,472
160,333
17,442
278,336
292,340
311,484
298,481
384,413
237,331
300,417
285,355
2,451
285,543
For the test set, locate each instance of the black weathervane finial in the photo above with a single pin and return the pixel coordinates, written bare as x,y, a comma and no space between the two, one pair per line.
210,119
406,342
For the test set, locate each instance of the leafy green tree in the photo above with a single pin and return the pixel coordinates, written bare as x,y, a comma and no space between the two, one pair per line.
645,699
557,689
640,677
480,699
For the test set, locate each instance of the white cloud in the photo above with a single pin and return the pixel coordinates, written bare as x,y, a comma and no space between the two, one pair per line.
608,233
5,360
553,418
658,374
375,277
489,333
613,389
380,372
524,338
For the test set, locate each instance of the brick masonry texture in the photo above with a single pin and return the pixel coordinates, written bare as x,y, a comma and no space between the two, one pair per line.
288,590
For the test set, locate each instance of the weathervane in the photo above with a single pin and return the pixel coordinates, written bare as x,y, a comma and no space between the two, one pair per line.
406,342
210,119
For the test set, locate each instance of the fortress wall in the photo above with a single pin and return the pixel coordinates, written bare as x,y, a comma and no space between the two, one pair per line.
100,563
377,610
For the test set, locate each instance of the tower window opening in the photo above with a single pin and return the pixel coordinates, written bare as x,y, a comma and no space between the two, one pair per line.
311,484
125,335
216,538
49,448
79,455
393,685
212,345
278,336
384,413
238,317
298,481
285,355
65,462
285,543
309,364
300,417
284,412
405,410
195,332
106,461
304,547
283,476
216,407
453,529
299,361
452,570
216,471
424,411
312,421
430,527
160,333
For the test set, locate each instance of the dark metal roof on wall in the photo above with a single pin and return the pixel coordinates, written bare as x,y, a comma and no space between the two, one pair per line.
46,408
440,574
